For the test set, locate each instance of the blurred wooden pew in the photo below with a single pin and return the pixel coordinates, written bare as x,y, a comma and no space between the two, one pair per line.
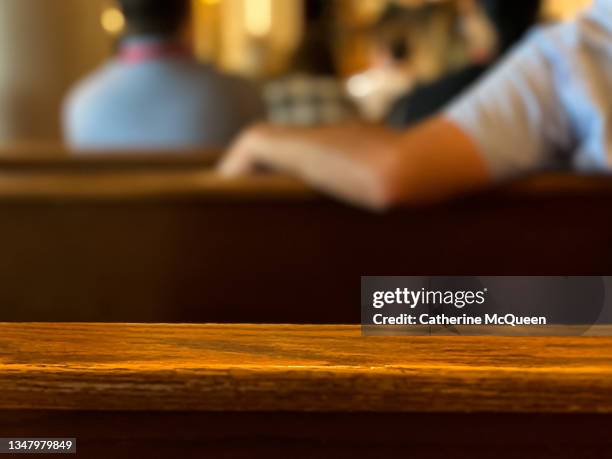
123,240
303,391
56,158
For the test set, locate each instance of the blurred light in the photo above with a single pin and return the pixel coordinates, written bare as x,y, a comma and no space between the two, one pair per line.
565,9
258,17
209,2
360,86
112,20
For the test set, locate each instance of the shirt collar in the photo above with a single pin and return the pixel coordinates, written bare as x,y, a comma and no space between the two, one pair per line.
137,49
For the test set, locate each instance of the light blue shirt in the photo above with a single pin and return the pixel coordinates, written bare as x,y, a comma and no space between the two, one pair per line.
169,102
549,103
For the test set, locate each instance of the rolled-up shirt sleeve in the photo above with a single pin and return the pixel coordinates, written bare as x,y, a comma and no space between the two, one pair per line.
514,115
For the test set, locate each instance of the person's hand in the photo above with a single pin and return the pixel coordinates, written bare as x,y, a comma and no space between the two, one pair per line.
367,165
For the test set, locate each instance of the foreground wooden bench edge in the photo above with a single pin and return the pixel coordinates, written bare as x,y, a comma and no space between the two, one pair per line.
242,368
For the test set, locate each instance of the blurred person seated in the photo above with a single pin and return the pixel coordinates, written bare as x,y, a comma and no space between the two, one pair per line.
545,107
390,71
491,28
154,94
310,93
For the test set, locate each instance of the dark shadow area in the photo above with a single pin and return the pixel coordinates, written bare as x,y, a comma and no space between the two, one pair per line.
304,435
202,257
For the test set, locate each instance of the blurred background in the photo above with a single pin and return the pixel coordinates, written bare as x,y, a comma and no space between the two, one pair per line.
380,48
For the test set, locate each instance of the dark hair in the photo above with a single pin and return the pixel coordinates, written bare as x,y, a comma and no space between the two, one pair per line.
155,17
512,19
316,54
390,31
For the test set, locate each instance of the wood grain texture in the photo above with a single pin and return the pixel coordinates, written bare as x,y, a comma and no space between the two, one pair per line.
242,368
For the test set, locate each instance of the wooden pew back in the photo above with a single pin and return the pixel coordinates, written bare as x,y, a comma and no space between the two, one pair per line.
179,244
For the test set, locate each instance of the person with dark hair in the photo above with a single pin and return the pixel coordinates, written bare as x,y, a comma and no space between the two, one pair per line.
155,17
510,21
310,92
154,94
390,72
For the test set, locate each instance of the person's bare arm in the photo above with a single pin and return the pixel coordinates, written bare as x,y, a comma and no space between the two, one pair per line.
369,166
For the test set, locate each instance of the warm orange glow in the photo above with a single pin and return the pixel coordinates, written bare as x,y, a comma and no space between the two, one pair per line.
258,17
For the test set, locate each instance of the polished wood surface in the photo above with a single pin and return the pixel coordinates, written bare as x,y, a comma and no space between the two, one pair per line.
244,391
246,368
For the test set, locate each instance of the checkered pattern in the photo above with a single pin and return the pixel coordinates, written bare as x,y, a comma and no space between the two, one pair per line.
307,101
